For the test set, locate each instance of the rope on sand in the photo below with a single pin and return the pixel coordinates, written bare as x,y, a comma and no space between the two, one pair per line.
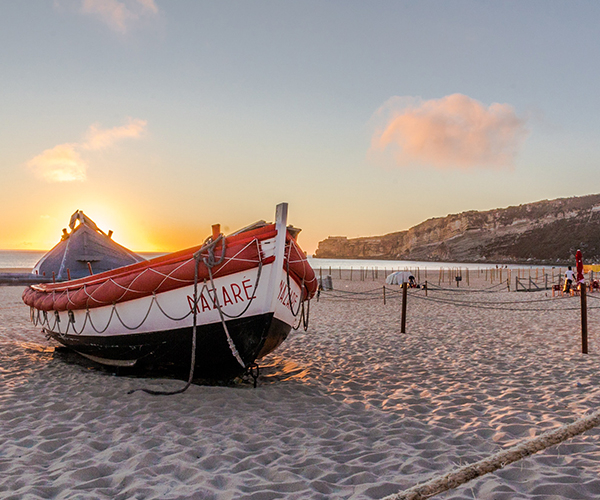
497,461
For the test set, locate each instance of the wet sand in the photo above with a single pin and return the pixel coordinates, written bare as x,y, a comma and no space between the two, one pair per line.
349,409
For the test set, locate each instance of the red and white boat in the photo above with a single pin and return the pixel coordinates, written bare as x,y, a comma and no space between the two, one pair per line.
235,297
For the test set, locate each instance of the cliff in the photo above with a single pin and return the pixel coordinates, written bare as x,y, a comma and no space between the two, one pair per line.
544,232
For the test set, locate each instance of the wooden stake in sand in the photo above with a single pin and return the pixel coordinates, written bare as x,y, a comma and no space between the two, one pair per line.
403,319
584,325
497,461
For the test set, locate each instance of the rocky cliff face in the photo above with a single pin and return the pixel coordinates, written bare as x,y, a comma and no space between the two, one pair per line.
548,232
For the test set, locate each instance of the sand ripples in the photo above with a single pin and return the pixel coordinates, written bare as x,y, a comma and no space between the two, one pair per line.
350,409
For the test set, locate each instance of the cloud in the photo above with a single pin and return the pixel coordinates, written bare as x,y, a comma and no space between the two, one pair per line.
63,163
454,132
119,14
98,138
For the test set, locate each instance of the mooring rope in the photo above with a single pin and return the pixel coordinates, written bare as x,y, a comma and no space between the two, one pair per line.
209,262
194,335
497,461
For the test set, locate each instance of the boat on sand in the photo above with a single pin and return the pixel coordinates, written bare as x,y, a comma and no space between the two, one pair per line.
235,297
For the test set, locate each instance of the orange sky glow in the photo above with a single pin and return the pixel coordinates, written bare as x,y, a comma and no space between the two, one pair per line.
158,119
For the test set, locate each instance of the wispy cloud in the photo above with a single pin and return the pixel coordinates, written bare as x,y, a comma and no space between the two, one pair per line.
454,132
64,163
119,14
98,138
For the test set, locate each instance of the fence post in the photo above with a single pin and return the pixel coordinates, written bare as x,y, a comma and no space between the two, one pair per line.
403,320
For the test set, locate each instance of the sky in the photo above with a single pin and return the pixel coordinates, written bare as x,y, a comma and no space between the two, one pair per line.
158,118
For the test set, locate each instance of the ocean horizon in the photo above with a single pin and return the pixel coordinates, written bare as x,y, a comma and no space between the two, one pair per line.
27,259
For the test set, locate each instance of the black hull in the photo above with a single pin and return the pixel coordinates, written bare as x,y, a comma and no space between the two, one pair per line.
253,336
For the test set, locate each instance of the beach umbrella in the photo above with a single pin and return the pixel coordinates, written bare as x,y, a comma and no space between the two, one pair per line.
579,262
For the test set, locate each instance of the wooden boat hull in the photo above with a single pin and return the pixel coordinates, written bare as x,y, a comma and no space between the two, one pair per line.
172,348
241,307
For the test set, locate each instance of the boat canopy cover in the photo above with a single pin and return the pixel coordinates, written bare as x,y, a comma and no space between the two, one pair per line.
398,278
84,243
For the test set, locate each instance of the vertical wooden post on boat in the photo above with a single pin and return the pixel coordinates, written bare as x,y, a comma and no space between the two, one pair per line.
321,273
89,264
329,270
425,288
281,216
350,273
508,284
53,277
384,295
68,274
584,328
216,231
340,272
404,295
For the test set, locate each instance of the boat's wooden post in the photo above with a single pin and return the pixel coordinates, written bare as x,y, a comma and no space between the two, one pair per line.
350,273
426,288
89,264
68,274
281,214
53,277
216,231
384,295
403,319
584,329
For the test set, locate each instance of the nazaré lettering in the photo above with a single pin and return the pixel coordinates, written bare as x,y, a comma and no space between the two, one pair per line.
202,301
235,291
247,286
236,294
226,297
284,296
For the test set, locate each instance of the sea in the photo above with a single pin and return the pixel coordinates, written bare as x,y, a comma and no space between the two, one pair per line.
26,259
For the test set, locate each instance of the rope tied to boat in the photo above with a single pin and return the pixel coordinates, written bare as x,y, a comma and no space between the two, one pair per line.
210,262
194,337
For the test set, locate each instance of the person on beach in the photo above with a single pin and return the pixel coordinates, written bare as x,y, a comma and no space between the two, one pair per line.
569,276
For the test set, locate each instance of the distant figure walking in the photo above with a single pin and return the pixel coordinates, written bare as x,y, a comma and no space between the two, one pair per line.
569,276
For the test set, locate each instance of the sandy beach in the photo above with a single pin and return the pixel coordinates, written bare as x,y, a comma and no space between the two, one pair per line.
349,409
